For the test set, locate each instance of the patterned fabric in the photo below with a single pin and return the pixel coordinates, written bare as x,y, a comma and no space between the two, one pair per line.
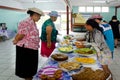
49,22
31,38
105,56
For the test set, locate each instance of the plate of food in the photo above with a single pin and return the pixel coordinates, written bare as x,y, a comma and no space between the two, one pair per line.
65,42
66,49
59,57
84,60
85,51
88,73
51,73
69,65
70,37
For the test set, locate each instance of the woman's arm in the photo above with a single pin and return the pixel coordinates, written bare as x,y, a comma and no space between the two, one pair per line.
18,37
48,32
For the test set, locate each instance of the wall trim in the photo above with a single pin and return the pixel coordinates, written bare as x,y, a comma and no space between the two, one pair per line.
11,8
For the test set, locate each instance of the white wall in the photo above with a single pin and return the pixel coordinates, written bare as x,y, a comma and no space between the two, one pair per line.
11,3
60,5
46,6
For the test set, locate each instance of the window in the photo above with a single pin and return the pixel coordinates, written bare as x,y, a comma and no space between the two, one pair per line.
82,9
105,9
97,9
89,9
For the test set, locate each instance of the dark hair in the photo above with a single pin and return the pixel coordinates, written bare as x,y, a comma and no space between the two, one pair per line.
114,17
105,21
99,19
94,24
30,12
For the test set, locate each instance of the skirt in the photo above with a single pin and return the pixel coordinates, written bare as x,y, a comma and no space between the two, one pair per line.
45,51
26,62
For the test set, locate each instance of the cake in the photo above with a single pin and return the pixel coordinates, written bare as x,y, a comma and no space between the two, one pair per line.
59,57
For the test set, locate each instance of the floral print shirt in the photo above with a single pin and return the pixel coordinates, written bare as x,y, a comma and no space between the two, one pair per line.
31,38
105,55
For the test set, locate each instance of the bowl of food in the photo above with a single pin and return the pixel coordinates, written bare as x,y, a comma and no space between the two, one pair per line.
66,49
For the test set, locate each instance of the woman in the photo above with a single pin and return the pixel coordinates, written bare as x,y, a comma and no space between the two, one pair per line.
96,36
49,34
27,44
115,27
107,32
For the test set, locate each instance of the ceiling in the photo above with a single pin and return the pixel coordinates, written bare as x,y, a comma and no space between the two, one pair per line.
61,4
95,2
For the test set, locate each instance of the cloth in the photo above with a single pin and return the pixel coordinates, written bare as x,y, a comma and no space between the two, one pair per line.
54,33
45,51
108,33
31,39
26,62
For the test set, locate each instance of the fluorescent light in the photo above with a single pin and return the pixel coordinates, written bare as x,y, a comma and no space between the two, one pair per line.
37,1
99,1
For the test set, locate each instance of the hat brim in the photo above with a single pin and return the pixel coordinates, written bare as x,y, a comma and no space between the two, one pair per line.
36,11
54,15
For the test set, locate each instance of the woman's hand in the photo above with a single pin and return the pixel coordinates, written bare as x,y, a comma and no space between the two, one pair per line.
49,44
14,41
18,37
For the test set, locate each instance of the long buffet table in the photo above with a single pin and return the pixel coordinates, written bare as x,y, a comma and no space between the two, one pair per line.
66,75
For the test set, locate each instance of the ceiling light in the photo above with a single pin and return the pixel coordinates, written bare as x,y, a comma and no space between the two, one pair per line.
37,1
99,1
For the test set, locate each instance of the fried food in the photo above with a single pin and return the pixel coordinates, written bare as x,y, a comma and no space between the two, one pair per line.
43,77
89,74
56,76
68,66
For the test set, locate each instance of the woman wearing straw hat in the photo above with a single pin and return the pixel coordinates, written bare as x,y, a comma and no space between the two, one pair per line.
49,34
27,44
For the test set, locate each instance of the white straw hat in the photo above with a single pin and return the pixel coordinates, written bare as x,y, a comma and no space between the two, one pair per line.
36,10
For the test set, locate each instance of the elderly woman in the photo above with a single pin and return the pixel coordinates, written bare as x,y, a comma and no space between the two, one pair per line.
27,44
49,34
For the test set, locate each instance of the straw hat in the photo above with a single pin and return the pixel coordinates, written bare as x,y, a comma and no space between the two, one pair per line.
36,10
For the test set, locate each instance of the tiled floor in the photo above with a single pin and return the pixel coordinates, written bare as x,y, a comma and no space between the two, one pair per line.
7,62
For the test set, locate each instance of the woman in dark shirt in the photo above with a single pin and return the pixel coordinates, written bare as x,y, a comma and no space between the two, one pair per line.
115,27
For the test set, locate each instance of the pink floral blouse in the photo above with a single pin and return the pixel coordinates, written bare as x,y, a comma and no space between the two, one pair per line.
31,39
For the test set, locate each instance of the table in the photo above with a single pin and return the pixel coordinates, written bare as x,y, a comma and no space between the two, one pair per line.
51,62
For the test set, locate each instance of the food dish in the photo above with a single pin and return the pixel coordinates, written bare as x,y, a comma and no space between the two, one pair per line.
66,49
68,66
84,60
65,42
79,44
85,51
89,74
50,73
59,57
70,37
